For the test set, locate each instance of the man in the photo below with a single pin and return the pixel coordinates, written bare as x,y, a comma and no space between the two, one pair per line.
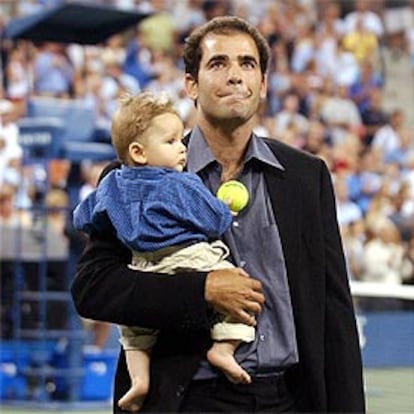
306,355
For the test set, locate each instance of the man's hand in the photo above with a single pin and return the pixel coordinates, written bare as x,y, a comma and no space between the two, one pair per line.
233,293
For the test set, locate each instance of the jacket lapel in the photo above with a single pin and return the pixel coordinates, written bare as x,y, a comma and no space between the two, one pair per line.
286,203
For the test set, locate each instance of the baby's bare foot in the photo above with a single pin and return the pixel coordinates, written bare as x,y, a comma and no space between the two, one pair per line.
134,398
224,360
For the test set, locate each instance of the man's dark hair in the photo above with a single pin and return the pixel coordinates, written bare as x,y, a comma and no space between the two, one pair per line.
225,25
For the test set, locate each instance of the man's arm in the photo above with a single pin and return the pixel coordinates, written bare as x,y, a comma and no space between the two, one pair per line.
344,377
106,289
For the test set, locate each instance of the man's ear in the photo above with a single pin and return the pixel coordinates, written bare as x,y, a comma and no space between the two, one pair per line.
263,87
191,86
137,153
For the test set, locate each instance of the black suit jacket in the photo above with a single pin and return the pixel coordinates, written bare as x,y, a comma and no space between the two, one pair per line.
328,377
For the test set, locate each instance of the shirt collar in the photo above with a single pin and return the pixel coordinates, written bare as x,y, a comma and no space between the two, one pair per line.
200,155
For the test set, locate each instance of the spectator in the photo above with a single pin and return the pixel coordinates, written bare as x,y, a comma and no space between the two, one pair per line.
366,179
53,71
317,142
382,262
403,213
354,238
10,150
374,116
347,210
18,74
328,33
303,49
339,113
138,59
290,117
408,175
331,23
369,20
114,82
362,89
10,217
187,14
343,68
166,76
410,43
388,139
214,8
280,77
157,30
98,331
362,43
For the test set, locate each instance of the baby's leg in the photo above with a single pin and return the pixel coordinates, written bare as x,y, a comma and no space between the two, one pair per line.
138,363
221,355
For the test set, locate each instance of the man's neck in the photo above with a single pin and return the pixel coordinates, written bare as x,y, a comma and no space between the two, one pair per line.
228,147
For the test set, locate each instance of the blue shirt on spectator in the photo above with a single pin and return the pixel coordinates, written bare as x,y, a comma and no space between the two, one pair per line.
51,78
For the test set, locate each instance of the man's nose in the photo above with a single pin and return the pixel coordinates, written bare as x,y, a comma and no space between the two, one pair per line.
234,75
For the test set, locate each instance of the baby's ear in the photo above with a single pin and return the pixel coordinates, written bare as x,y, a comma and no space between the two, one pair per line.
137,153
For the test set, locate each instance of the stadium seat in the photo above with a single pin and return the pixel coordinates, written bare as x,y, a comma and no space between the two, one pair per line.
41,138
77,141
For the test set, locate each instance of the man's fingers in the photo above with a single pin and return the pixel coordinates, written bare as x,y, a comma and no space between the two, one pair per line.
232,292
253,307
257,297
256,285
246,318
242,272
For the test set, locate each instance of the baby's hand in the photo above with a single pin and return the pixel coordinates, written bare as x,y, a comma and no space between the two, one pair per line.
228,202
234,194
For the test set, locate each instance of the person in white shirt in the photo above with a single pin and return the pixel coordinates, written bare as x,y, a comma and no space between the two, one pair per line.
370,20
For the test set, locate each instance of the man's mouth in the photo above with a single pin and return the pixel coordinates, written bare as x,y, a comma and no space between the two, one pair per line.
235,94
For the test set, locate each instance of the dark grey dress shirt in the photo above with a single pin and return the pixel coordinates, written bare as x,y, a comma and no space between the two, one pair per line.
274,348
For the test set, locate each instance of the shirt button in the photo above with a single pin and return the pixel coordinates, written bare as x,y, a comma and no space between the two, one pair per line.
235,224
180,390
242,263
262,337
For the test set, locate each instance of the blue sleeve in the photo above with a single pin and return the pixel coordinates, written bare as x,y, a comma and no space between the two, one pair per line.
89,219
195,205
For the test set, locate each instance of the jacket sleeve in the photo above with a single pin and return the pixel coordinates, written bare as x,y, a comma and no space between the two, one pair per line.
104,288
343,375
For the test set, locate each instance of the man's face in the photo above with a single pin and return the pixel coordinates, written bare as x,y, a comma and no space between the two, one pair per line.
230,84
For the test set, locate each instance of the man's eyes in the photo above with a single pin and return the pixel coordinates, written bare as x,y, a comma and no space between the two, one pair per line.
249,64
246,64
216,64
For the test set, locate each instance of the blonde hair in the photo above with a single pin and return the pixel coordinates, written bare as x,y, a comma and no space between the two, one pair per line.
133,116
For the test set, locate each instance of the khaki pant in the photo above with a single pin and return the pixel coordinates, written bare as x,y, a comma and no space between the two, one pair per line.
202,257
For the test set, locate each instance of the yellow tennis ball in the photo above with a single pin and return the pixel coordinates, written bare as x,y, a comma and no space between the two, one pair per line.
235,192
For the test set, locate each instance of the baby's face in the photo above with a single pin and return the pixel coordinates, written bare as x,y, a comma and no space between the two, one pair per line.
163,142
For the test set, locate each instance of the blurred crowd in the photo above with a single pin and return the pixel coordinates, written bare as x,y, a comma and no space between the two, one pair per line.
340,86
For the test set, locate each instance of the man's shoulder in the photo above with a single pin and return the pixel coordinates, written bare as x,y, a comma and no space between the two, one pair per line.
285,152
